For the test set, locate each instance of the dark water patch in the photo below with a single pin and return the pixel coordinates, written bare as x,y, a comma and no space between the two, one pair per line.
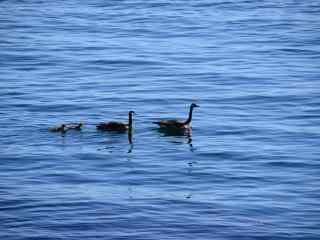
12,94
71,178
300,51
16,204
122,63
303,117
290,164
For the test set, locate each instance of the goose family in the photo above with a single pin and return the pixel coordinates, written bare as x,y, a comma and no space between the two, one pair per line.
167,125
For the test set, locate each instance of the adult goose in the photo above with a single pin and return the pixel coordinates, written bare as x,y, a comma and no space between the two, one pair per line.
176,124
117,126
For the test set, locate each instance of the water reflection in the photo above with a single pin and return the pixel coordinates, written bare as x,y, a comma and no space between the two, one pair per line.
118,138
178,134
130,141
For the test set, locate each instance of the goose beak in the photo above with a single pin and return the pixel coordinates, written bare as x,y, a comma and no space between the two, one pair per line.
196,105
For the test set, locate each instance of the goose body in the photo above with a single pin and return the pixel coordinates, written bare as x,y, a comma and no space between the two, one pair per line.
175,124
61,128
113,126
116,126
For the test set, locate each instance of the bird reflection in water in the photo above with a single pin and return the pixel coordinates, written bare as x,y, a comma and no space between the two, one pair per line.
178,134
130,140
111,144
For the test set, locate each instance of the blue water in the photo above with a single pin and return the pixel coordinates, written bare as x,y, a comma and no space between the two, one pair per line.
250,170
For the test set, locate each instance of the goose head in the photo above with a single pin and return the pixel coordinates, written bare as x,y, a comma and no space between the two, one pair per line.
193,105
132,113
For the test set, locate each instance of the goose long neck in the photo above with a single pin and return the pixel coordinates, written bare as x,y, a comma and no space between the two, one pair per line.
130,120
190,116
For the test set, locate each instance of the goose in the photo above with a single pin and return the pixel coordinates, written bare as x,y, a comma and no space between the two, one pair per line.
117,126
61,128
176,124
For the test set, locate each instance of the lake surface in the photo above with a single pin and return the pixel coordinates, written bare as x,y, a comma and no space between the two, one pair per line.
250,170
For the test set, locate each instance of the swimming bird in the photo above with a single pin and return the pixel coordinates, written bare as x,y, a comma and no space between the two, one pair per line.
61,128
75,126
175,124
117,126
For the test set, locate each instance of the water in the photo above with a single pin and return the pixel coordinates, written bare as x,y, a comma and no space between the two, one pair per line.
251,167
